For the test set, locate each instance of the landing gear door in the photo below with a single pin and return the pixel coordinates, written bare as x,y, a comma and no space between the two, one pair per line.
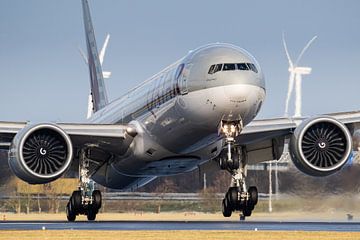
183,79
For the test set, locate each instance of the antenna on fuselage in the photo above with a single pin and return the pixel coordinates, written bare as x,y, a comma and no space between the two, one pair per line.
295,77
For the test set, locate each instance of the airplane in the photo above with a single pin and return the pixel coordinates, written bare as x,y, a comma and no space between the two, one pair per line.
200,108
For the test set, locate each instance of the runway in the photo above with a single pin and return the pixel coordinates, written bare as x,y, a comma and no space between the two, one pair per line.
182,225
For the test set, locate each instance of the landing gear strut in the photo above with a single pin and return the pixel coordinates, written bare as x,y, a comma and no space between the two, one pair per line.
85,200
237,198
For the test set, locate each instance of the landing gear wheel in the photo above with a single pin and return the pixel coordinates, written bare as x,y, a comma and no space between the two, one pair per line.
70,214
236,162
233,196
247,212
253,195
226,208
229,164
97,200
76,200
91,214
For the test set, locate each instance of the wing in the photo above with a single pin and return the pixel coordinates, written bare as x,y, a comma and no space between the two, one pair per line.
7,132
102,140
264,139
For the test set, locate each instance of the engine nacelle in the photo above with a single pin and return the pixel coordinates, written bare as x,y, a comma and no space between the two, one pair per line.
40,153
356,140
320,146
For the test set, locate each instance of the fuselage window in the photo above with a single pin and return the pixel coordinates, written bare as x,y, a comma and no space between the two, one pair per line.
252,67
211,70
229,67
217,68
242,66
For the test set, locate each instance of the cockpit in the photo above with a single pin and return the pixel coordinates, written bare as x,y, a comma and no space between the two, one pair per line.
232,67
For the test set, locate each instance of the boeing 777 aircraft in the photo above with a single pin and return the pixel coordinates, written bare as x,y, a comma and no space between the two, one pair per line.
200,108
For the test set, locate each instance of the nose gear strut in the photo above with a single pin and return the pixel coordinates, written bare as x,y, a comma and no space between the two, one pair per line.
237,198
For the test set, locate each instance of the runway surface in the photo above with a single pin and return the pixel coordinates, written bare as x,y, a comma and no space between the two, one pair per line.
181,225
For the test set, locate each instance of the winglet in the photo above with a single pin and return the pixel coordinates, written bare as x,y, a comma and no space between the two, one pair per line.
98,90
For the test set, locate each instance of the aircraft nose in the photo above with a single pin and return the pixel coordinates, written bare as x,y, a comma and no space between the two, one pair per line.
235,93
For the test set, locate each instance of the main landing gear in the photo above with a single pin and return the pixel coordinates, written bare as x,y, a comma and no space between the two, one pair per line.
86,200
237,198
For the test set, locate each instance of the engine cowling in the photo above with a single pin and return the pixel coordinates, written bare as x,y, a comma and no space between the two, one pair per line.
356,140
40,153
320,146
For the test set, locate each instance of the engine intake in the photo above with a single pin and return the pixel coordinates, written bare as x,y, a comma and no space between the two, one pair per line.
40,153
320,146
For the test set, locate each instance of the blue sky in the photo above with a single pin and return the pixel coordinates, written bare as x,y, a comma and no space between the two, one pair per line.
43,77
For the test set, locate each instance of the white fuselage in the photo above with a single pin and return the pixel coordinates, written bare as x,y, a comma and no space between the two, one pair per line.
178,111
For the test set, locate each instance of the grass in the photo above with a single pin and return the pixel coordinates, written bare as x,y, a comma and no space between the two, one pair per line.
175,235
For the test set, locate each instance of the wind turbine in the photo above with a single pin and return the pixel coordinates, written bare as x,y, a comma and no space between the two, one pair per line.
296,77
106,75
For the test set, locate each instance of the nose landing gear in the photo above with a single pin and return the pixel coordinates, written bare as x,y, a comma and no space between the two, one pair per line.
86,200
237,198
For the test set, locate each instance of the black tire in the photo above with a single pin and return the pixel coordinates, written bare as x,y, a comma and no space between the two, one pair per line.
236,162
97,200
232,196
230,164
226,211
222,163
91,214
70,214
253,195
76,201
250,206
247,212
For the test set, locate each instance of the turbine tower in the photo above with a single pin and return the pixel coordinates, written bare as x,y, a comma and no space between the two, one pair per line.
295,77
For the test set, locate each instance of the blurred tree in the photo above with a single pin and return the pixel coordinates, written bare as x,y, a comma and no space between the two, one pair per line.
166,186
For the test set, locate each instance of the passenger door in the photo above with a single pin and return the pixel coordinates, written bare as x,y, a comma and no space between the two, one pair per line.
183,79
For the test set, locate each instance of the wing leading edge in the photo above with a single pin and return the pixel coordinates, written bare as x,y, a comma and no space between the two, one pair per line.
111,138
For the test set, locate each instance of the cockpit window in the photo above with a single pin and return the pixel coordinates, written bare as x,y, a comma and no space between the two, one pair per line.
232,66
252,67
229,67
217,68
242,66
211,69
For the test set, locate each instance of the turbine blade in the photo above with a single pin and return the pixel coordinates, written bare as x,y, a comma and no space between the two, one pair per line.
83,55
103,49
286,51
304,50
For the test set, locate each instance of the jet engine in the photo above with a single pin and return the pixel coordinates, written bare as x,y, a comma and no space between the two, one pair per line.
320,146
40,153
